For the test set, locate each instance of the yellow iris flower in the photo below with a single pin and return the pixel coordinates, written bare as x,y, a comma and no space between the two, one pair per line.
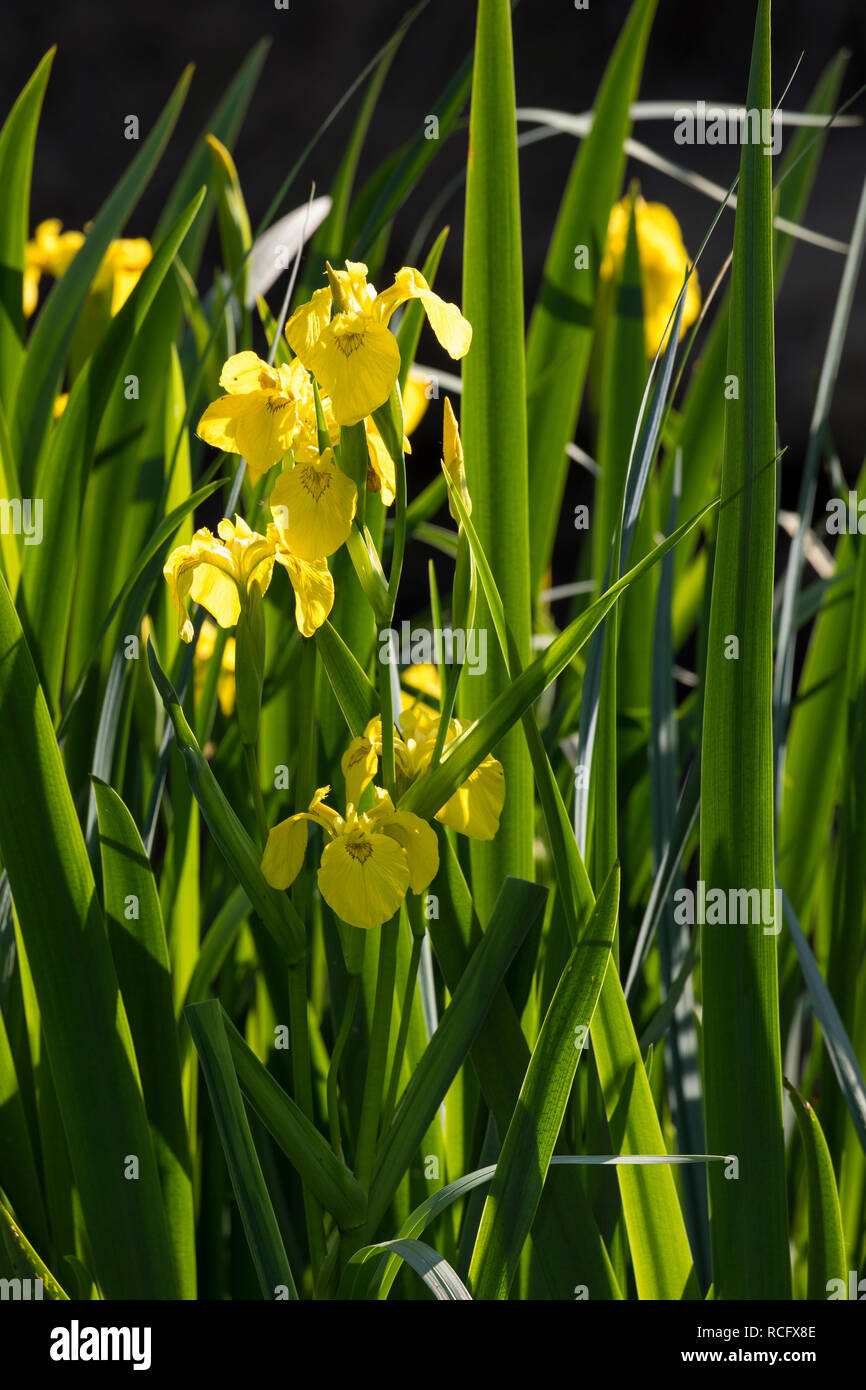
267,412
121,269
663,263
475,807
369,864
49,253
220,571
353,355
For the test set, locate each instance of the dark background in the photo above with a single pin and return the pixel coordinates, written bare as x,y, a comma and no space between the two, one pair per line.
114,60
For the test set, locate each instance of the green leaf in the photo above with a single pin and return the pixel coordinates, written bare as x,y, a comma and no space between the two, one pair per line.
493,417
138,946
741,1056
515,911
355,694
24,1260
234,844
318,1166
440,1278
827,1258
17,141
87,1035
560,332
257,1214
47,579
528,1145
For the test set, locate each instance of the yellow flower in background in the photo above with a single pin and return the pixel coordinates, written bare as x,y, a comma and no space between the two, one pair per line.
266,413
121,269
204,650
415,399
663,262
49,253
354,356
218,572
475,807
60,404
422,676
313,506
369,864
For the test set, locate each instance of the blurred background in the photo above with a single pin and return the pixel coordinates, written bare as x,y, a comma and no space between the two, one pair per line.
117,60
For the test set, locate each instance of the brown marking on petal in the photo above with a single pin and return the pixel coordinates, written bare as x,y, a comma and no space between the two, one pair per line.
315,482
360,850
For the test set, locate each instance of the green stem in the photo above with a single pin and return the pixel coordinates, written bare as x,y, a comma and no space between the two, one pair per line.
389,774
377,1056
400,1047
336,1059
252,767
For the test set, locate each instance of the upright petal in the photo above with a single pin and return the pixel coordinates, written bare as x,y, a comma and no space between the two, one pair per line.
307,324
244,372
359,765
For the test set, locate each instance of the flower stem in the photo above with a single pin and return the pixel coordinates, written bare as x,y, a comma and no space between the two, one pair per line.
377,1056
400,1047
256,788
336,1059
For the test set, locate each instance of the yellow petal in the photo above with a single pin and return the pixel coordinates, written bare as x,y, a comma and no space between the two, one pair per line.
415,400
313,506
356,360
423,676
452,451
246,371
216,592
359,764
381,463
314,590
180,571
419,841
452,330
284,851
32,277
307,324
475,808
257,424
363,878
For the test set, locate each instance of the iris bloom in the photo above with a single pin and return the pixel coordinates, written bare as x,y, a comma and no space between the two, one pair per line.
663,264
49,253
353,355
267,412
475,807
220,571
121,269
370,862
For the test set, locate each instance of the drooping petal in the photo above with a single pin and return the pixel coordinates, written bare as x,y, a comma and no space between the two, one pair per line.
284,851
476,806
418,839
202,571
453,331
356,360
363,878
314,589
359,764
216,592
313,506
